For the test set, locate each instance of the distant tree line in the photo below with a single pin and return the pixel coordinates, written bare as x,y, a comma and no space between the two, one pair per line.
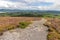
28,14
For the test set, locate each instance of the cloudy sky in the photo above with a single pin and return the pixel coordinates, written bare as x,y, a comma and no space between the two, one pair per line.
30,4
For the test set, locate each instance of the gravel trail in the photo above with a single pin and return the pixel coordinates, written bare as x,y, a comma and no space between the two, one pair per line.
35,31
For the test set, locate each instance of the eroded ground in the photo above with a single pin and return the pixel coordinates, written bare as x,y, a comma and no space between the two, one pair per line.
35,31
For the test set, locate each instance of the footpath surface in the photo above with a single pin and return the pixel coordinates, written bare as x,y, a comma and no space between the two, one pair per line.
35,31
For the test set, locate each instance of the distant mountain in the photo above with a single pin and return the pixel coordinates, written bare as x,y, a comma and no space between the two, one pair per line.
39,11
9,10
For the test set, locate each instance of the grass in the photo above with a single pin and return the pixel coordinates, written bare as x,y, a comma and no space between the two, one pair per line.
53,35
23,25
9,23
50,16
10,27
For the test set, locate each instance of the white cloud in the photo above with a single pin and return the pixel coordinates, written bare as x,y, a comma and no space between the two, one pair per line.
24,5
7,4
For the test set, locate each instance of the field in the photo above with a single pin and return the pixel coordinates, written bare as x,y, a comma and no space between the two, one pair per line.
8,22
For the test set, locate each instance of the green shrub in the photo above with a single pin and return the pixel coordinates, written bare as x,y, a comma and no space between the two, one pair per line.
24,24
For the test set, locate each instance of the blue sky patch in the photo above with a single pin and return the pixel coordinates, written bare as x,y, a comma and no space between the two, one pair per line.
41,4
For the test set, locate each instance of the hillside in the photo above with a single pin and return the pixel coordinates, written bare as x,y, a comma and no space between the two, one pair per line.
35,31
54,28
7,22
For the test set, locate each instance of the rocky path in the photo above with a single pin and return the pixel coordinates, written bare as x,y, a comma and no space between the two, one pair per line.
35,31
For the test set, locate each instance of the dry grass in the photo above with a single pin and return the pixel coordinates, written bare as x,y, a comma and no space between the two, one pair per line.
54,25
11,22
